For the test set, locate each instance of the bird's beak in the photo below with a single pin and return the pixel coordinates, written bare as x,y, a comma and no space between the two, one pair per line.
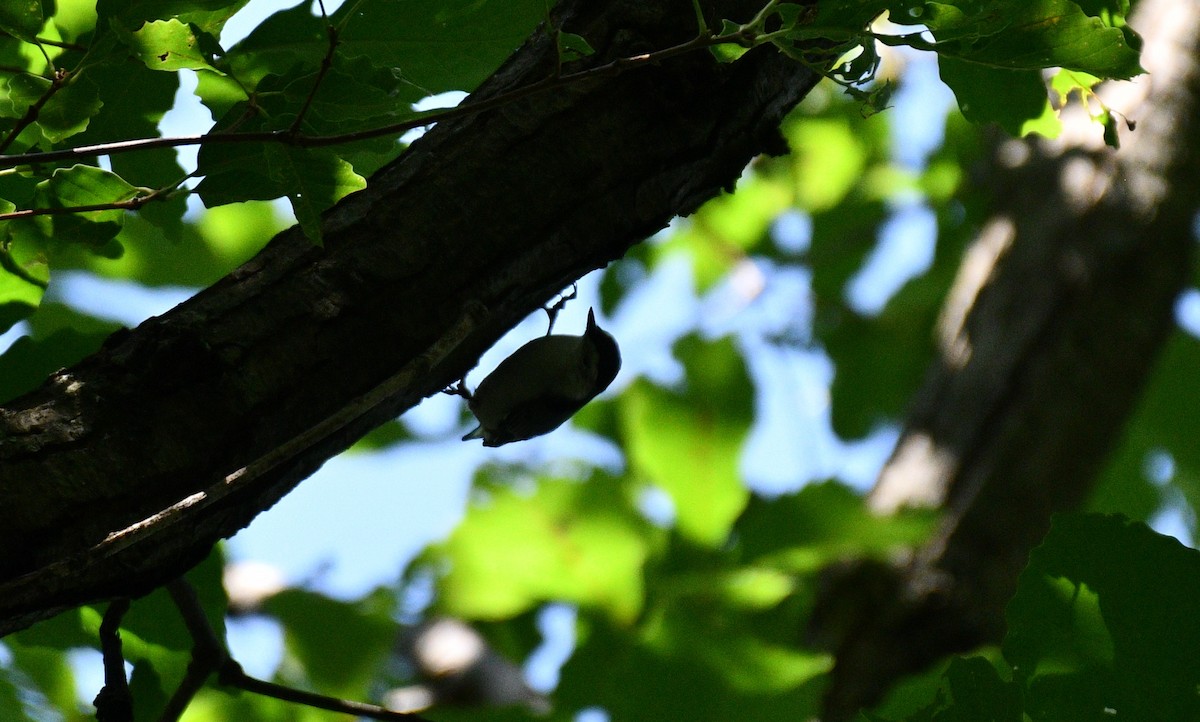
591,325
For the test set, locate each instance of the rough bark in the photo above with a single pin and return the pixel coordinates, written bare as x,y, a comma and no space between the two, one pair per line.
1046,338
119,473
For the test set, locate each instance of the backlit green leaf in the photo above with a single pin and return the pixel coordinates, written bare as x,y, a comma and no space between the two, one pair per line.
168,45
21,18
563,540
1104,618
689,444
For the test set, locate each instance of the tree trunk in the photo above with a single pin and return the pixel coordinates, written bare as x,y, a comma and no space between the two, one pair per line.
118,474
1045,341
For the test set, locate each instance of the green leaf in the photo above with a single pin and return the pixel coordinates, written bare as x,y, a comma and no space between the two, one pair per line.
24,275
60,337
1104,618
340,645
70,110
66,111
676,668
289,38
1033,34
579,542
130,14
880,361
313,179
21,18
728,52
727,227
1166,419
572,47
429,47
424,42
11,707
76,187
82,185
23,90
69,630
688,444
45,679
1015,99
222,239
353,90
820,524
979,694
170,45
830,156
134,110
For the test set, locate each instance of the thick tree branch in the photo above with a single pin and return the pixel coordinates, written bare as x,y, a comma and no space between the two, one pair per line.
119,473
1045,342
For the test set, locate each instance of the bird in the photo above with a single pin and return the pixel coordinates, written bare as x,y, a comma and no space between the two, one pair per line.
542,384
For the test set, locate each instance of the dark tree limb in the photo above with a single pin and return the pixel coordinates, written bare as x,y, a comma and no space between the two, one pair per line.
209,657
113,703
120,473
1046,340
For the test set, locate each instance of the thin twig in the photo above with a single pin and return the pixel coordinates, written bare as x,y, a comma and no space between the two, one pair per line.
183,594
612,68
209,655
198,672
113,703
61,44
53,43
749,34
60,80
130,204
326,64
289,694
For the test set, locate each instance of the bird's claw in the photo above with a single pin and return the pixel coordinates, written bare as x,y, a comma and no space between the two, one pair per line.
553,311
458,388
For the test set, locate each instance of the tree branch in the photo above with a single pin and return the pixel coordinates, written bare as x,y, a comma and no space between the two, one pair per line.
209,655
178,433
113,703
60,80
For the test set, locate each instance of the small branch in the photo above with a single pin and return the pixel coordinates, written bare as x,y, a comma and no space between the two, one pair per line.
198,672
326,64
129,204
113,703
553,311
247,683
52,43
184,596
61,77
209,655
612,68
61,44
